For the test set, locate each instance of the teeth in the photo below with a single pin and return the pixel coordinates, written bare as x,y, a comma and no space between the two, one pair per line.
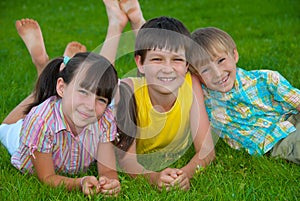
223,80
166,79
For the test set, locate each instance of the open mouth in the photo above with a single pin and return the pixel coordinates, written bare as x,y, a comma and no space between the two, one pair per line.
166,79
223,80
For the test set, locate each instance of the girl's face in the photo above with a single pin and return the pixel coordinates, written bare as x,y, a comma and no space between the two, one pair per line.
80,106
164,70
219,74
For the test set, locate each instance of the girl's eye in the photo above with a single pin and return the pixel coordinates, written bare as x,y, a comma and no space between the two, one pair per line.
221,60
83,92
103,100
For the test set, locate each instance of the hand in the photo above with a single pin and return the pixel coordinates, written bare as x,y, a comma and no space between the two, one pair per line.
109,187
167,178
90,185
182,181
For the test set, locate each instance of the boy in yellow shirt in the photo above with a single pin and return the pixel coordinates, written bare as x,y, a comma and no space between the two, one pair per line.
170,103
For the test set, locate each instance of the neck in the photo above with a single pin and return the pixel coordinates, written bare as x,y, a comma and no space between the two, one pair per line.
72,128
162,102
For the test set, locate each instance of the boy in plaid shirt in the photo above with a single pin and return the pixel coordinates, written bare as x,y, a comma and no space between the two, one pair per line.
255,110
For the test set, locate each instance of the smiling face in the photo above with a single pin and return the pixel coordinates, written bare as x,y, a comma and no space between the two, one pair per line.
80,106
220,73
164,70
215,56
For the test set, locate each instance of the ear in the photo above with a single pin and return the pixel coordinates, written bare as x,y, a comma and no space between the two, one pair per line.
138,61
60,86
187,67
236,55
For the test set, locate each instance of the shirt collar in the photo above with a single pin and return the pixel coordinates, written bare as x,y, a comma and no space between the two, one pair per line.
60,119
62,124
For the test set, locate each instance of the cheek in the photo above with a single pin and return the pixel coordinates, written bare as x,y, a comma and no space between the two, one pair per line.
100,109
206,79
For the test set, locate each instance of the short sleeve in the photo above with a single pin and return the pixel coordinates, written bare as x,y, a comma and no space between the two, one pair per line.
282,90
36,135
108,126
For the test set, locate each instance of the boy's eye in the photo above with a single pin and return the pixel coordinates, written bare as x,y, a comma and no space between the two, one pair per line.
156,59
179,60
203,71
221,60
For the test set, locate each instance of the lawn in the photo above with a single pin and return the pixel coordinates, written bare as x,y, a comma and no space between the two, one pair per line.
267,36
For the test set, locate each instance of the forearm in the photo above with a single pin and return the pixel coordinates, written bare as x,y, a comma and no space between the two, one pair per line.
197,161
131,166
58,180
107,172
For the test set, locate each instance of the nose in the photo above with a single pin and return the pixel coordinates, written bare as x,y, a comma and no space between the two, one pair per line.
167,67
216,70
90,102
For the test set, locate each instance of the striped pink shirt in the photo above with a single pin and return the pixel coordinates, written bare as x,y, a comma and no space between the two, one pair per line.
44,129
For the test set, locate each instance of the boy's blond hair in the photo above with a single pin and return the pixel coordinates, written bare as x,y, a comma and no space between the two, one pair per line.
209,43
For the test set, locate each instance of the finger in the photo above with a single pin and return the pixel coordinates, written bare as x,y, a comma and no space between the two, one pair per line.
173,172
111,188
166,179
185,186
182,183
179,172
111,184
163,187
111,192
103,180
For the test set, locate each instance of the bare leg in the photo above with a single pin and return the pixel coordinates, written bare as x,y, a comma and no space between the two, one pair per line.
117,20
18,112
31,34
134,13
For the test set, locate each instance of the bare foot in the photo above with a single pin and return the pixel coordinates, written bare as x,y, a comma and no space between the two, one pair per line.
31,34
74,47
134,13
115,15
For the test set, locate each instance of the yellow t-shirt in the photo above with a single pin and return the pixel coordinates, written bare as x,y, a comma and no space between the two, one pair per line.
166,132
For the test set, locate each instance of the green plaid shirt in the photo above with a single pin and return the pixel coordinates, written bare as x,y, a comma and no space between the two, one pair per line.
253,115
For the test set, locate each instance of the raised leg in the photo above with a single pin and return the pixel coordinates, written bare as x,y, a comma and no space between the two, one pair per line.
31,34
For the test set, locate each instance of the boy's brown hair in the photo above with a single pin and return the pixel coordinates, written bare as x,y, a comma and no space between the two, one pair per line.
209,42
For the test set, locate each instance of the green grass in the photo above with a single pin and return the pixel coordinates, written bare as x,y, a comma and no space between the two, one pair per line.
267,36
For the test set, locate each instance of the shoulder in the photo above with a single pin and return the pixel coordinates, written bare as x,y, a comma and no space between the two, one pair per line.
256,76
270,76
129,81
45,113
47,105
196,84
